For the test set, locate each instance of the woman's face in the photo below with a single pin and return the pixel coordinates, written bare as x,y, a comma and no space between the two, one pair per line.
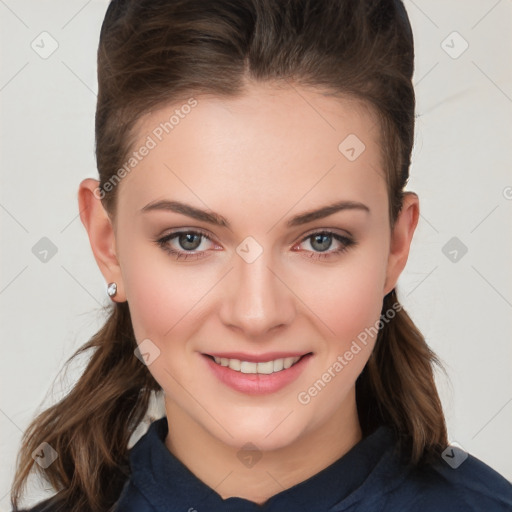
222,256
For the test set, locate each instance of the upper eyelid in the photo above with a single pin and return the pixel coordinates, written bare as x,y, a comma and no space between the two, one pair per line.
206,232
335,231
186,230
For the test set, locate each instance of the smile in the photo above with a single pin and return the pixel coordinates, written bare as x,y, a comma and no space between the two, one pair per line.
268,374
265,368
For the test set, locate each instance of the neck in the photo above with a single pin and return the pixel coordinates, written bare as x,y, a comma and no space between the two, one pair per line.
277,470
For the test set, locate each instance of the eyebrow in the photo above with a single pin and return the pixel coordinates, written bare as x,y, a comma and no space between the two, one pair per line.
219,220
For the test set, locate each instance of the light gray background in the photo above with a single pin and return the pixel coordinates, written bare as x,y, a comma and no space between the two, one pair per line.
461,171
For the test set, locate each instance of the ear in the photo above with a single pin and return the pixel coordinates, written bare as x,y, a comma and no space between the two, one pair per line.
401,238
101,234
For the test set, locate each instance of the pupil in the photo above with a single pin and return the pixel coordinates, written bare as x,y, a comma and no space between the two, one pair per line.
187,241
324,242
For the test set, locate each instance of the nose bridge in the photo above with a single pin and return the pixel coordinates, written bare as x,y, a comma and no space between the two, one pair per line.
258,300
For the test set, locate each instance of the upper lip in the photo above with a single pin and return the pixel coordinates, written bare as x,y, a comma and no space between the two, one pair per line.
256,358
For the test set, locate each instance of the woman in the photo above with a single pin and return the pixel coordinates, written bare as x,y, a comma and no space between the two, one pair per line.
251,223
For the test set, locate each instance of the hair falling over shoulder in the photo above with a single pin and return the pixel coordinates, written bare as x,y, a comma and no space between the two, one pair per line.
152,52
91,426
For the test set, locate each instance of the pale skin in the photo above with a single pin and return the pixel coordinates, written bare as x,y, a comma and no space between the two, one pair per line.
258,160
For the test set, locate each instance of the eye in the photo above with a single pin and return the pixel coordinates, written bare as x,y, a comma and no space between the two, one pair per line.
190,245
183,244
322,241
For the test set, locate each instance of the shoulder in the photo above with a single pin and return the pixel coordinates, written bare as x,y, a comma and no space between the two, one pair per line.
470,485
132,500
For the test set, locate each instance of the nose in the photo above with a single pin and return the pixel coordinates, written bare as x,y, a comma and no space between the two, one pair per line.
257,299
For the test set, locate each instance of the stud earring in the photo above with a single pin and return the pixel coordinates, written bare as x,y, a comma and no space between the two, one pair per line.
112,289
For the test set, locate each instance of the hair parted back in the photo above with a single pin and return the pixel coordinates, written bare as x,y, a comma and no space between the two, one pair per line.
155,52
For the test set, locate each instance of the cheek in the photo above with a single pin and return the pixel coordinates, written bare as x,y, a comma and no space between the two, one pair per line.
360,304
166,307
346,298
162,299
348,309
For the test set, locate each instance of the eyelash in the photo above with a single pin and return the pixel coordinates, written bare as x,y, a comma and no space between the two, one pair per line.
345,242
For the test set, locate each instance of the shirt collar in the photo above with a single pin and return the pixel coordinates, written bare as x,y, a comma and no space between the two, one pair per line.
163,479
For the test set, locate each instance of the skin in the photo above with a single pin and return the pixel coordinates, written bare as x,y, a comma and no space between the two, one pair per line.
257,160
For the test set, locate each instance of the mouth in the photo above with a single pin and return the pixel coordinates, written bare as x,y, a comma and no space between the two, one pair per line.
257,374
257,367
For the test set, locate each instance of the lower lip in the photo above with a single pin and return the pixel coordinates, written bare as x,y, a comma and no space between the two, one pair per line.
257,383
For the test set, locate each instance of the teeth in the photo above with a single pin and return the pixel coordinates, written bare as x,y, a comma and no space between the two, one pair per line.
234,364
278,365
265,368
248,367
288,361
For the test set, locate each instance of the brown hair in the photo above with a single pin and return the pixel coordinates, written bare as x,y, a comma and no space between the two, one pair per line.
154,52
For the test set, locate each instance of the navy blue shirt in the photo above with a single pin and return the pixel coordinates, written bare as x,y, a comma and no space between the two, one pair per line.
369,478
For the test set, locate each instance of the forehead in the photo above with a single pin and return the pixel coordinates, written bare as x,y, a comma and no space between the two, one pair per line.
276,143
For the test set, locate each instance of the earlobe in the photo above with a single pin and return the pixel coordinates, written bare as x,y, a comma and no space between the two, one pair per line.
101,234
401,238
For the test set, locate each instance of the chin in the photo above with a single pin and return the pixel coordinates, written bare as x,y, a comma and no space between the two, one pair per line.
262,431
